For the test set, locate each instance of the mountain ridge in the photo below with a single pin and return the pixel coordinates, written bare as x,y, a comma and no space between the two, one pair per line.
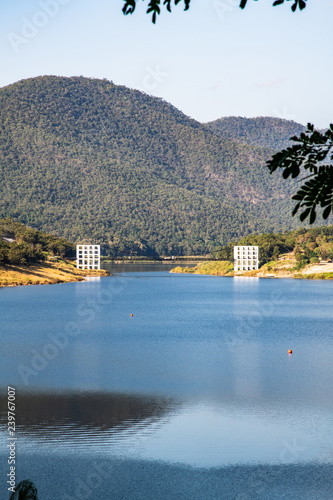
95,161
264,131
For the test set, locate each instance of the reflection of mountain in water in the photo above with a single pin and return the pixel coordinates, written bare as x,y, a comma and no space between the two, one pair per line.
40,415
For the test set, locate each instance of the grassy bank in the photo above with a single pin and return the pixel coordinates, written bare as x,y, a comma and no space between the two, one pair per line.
285,267
318,276
44,273
214,268
290,268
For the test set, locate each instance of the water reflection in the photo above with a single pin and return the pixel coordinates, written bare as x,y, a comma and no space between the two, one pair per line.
197,433
141,268
74,418
199,376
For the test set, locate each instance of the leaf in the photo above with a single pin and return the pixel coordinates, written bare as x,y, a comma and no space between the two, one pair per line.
312,149
168,4
312,216
129,7
296,207
327,212
298,196
304,215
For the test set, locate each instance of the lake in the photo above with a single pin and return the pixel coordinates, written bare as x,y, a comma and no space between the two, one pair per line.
151,385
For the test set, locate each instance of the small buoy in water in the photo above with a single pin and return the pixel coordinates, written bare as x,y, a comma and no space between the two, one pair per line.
131,315
290,351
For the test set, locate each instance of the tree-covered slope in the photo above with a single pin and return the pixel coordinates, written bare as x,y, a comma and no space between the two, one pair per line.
262,131
307,244
23,245
103,163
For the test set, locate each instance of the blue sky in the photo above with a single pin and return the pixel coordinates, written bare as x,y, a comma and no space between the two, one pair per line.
214,60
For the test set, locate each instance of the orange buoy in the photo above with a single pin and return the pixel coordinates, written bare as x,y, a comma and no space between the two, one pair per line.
131,315
290,351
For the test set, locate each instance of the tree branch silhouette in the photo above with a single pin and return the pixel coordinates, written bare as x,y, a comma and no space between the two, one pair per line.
313,155
308,155
154,6
25,490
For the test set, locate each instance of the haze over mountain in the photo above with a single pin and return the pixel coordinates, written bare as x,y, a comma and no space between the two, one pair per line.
102,163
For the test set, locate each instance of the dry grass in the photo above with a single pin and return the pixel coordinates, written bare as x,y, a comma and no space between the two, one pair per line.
250,274
44,273
282,268
213,268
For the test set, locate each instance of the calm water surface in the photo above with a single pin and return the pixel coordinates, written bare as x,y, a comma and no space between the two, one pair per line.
194,396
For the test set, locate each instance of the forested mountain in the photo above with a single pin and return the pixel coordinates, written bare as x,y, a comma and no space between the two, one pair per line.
263,131
96,162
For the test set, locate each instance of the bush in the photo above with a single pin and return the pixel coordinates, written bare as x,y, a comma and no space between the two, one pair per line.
314,260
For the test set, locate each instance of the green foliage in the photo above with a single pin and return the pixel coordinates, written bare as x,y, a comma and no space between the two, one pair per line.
308,245
301,261
308,155
23,254
318,276
24,246
220,268
101,163
155,9
301,4
263,131
153,6
180,269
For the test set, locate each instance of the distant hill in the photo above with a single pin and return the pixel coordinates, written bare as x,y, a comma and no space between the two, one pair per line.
96,162
263,131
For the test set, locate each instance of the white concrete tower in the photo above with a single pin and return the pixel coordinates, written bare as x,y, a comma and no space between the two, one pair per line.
88,256
246,258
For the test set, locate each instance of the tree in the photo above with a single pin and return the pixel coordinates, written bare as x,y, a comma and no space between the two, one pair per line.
297,3
155,9
314,154
313,148
153,6
25,489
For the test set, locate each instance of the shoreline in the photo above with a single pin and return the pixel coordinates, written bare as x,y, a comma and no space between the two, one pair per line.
277,269
51,272
45,273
